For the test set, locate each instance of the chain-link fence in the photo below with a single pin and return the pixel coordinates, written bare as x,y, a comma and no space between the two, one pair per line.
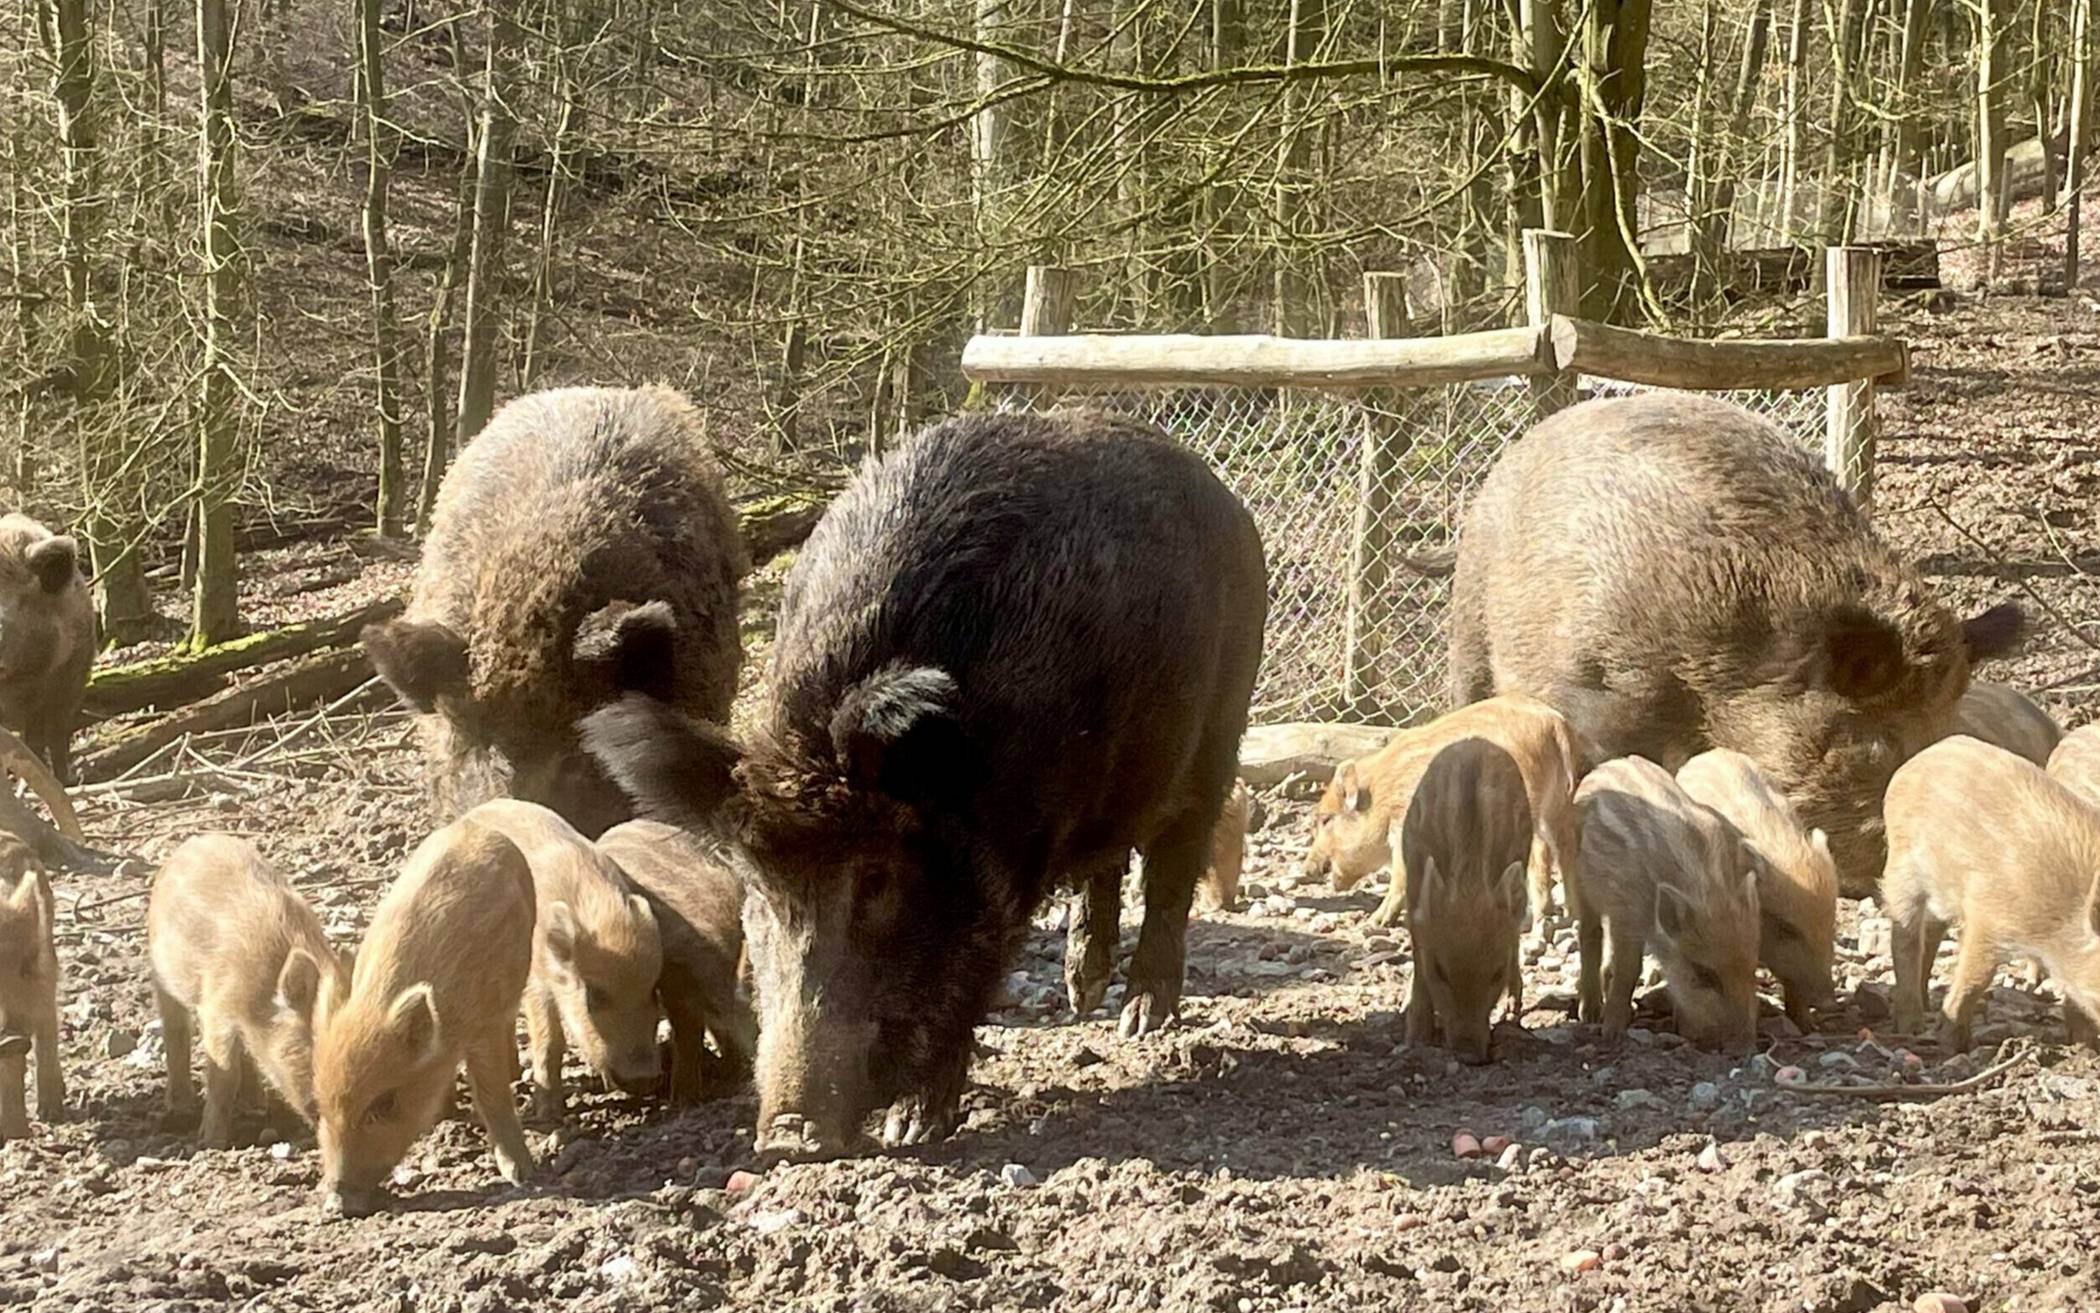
1297,458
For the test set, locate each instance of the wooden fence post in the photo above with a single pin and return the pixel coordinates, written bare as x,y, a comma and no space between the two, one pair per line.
1385,440
1852,285
1552,286
1046,311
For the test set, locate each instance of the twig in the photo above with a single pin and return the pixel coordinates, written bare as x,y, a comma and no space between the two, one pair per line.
1898,1093
2048,608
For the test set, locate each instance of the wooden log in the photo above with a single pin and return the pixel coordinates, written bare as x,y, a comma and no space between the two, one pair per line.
1851,427
318,677
1552,286
16,756
176,680
1633,356
1187,360
1270,754
55,850
1907,265
775,524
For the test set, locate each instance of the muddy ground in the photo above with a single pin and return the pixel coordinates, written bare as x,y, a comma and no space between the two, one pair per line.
1280,1149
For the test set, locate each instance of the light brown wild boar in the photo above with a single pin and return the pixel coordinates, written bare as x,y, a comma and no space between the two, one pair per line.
28,991
1359,816
1463,845
596,957
238,960
1656,869
1797,880
437,982
47,639
1220,888
2075,763
1987,840
699,915
2004,717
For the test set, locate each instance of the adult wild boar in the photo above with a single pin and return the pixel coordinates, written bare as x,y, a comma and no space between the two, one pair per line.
581,548
1015,649
47,639
1675,573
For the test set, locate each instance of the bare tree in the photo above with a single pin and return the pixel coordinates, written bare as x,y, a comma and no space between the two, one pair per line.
387,345
215,616
436,329
477,377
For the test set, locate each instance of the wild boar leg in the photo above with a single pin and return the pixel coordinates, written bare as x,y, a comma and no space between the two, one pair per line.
1589,990
735,1033
14,1110
50,1078
175,1032
1095,922
1622,972
547,1044
222,1084
1974,964
1421,1013
1174,862
492,1065
1513,972
1392,909
1914,943
929,1114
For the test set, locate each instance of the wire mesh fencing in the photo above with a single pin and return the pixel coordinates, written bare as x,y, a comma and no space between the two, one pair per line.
1356,545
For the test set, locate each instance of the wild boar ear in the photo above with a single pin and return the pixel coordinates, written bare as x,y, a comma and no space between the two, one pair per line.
2092,907
298,983
633,647
1994,632
674,768
1356,792
414,1020
1424,890
421,661
897,730
561,937
1821,843
55,562
1511,892
1862,654
1673,913
639,907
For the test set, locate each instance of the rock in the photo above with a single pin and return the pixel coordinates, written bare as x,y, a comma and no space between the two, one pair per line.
1705,1096
1573,1130
1533,1118
740,1180
1494,1144
1779,1028
1794,1185
119,1041
1578,1261
1871,1001
1763,1065
1614,1252
1017,1176
771,1221
1838,1060
1710,1159
1938,1301
619,1268
1639,1035
1512,1158
1629,1100
1789,1076
1464,1144
281,1151
1873,935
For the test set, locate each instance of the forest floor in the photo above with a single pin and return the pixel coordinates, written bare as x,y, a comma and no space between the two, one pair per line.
1279,1149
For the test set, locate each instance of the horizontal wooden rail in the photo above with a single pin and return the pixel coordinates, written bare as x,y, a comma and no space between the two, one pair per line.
1632,356
1254,361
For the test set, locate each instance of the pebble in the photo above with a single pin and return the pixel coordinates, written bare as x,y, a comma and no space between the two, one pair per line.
1705,1095
1779,1028
281,1151
1579,1261
119,1042
1494,1144
1533,1118
45,1260
1581,1130
740,1181
1791,1186
620,1267
1628,1100
1763,1065
1014,1174
1710,1159
773,1220
1512,1158
1938,1301
1789,1076
1464,1144
1838,1060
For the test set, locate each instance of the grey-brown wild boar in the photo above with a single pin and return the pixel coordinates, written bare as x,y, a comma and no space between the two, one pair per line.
1675,573
47,639
1797,881
581,548
699,913
436,984
1465,844
28,991
238,960
596,956
1985,840
1016,648
1657,870
2003,716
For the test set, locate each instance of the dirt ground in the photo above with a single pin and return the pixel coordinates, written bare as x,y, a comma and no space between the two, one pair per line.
1280,1149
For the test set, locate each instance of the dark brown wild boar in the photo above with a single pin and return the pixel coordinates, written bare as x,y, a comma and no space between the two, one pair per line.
582,548
1015,649
47,639
1674,573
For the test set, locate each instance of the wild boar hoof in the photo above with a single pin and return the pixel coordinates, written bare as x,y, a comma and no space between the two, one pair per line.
913,1120
793,1138
338,1202
1388,914
1086,996
1146,1011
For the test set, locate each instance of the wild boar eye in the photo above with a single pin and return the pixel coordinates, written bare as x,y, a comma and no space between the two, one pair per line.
594,998
382,1109
1706,977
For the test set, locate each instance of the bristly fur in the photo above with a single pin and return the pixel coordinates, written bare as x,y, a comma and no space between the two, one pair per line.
47,639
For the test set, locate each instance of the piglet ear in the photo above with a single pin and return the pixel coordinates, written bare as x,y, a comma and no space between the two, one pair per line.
1510,891
1356,793
56,563
633,647
414,1020
2092,907
561,938
1673,913
298,983
898,730
1993,633
422,662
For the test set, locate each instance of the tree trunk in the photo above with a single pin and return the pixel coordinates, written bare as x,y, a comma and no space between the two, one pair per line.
2081,126
1910,66
1715,232
24,470
1614,74
988,163
1542,46
215,616
436,353
1291,294
477,377
1795,112
379,266
1991,192
2039,56
1228,40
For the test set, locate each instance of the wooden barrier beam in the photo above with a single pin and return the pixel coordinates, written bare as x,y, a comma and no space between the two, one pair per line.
1632,356
1189,360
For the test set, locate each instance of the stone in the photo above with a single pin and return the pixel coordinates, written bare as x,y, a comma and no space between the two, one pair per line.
1017,1176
